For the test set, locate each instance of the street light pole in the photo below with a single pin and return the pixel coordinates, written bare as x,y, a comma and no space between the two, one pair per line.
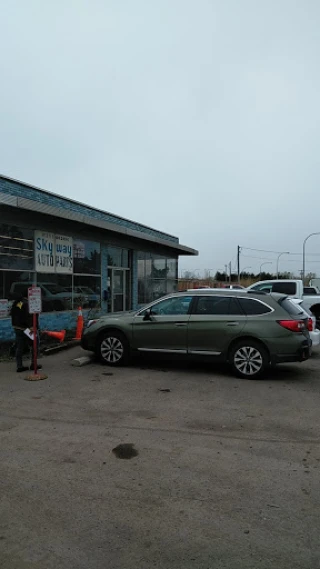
238,261
266,263
283,253
304,254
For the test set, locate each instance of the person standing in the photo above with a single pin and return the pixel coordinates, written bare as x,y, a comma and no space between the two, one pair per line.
21,319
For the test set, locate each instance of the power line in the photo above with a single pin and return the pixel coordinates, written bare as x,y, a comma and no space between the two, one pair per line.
278,252
261,258
273,259
262,250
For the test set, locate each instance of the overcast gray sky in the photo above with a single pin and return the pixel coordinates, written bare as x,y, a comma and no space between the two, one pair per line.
200,118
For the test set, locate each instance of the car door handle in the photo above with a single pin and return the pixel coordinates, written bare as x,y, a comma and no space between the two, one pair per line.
233,324
180,324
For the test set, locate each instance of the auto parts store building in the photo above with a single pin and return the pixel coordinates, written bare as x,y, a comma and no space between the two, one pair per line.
78,255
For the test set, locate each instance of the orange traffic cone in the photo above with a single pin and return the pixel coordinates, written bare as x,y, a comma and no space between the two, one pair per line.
79,325
59,335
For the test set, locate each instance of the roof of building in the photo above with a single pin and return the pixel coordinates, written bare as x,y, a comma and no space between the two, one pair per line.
25,196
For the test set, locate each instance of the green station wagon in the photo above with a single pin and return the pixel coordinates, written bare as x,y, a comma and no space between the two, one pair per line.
249,330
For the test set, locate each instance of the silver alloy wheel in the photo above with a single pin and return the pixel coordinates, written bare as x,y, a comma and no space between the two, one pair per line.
248,360
111,349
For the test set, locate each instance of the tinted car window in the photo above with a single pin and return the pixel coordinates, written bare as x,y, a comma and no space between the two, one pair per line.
309,290
212,305
172,306
262,287
235,308
250,306
284,288
215,305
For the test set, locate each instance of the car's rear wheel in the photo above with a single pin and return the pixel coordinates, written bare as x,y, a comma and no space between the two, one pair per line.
113,348
248,359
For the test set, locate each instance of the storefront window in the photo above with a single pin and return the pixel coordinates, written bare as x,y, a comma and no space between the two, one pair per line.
61,290
86,257
86,291
159,288
172,285
157,276
118,257
159,268
172,268
13,284
16,247
56,291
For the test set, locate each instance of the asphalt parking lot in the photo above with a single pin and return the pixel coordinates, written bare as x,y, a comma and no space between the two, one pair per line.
226,475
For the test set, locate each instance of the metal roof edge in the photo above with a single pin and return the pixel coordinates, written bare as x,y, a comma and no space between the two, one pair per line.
84,205
30,205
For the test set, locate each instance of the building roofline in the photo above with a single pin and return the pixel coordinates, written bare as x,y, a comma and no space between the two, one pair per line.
31,205
71,200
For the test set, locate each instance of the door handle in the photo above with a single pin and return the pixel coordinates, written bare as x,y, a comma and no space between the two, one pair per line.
233,324
180,324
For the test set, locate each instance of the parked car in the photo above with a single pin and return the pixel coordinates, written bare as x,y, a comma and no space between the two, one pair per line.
310,290
312,322
234,286
315,283
250,331
54,297
293,288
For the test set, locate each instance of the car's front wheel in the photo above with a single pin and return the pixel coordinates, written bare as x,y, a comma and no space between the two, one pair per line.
113,348
248,359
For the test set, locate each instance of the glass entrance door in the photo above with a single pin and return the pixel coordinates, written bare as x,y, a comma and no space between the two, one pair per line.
119,290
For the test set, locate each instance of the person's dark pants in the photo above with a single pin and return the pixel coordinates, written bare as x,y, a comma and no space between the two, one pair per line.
22,341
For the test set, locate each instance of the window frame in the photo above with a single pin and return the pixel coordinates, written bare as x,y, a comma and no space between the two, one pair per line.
222,295
269,311
142,311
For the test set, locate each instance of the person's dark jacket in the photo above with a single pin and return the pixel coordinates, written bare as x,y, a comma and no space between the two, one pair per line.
20,317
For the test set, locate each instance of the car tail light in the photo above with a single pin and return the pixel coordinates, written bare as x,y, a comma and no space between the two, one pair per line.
293,325
310,324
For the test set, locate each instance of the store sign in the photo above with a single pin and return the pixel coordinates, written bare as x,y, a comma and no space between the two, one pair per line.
53,253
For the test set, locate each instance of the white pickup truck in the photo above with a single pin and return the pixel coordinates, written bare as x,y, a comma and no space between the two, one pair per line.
292,288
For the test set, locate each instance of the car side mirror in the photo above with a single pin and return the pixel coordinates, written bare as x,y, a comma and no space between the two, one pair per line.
148,314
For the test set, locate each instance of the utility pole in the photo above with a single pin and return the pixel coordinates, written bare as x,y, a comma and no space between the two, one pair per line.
238,261
226,272
230,272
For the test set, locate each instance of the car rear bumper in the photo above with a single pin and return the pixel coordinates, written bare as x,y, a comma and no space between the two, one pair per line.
302,354
315,338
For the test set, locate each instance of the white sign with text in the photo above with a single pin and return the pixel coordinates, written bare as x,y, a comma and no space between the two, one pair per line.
34,300
53,253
